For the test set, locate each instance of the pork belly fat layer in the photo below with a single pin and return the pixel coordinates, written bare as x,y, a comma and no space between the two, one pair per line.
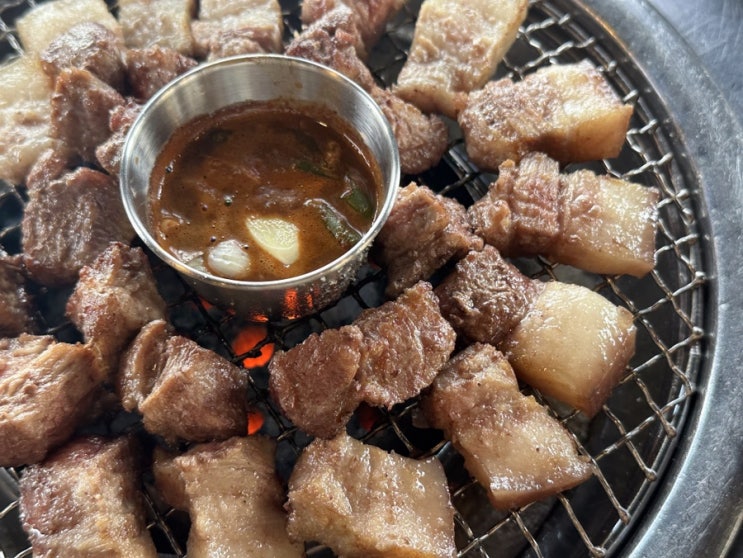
362,501
510,443
597,223
115,296
315,382
45,390
456,48
85,500
422,233
233,497
198,396
485,296
68,222
573,345
567,111
163,23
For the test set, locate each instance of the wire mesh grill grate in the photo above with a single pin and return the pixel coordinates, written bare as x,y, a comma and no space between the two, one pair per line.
632,438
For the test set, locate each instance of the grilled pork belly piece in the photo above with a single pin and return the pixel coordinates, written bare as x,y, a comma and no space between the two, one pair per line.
388,355
370,17
87,46
456,48
231,491
566,340
16,307
573,345
510,443
597,223
162,23
68,222
362,501
45,390
150,69
85,500
315,382
45,22
423,232
114,298
567,111
80,108
25,121
230,27
332,40
108,154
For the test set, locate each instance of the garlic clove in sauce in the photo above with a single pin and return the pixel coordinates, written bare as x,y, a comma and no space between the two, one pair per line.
228,259
278,237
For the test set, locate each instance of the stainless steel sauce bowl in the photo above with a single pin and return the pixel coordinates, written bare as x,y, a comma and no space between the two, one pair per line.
210,87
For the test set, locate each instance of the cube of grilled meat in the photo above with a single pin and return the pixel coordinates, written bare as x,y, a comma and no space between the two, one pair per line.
510,443
315,382
68,222
163,23
231,491
108,154
456,48
197,396
406,342
597,223
332,40
150,69
567,111
423,232
370,17
16,307
362,501
485,297
25,121
115,296
45,390
45,22
573,345
88,46
230,27
85,500
81,105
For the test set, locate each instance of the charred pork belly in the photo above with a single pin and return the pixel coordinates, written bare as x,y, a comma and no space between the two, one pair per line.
108,154
566,340
423,232
184,391
370,17
25,121
149,69
16,307
68,222
114,298
231,491
87,46
163,23
85,500
573,345
315,383
362,501
230,27
597,223
388,355
42,24
567,111
456,48
332,40
45,390
80,108
510,443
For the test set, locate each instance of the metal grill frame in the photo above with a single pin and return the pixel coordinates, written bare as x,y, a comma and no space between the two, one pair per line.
665,154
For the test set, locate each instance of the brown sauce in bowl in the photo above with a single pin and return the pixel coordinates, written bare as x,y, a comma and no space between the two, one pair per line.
263,190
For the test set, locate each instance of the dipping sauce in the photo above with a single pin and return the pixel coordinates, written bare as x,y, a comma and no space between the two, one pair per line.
263,190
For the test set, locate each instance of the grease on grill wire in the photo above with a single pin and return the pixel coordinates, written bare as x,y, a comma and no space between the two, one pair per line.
263,191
